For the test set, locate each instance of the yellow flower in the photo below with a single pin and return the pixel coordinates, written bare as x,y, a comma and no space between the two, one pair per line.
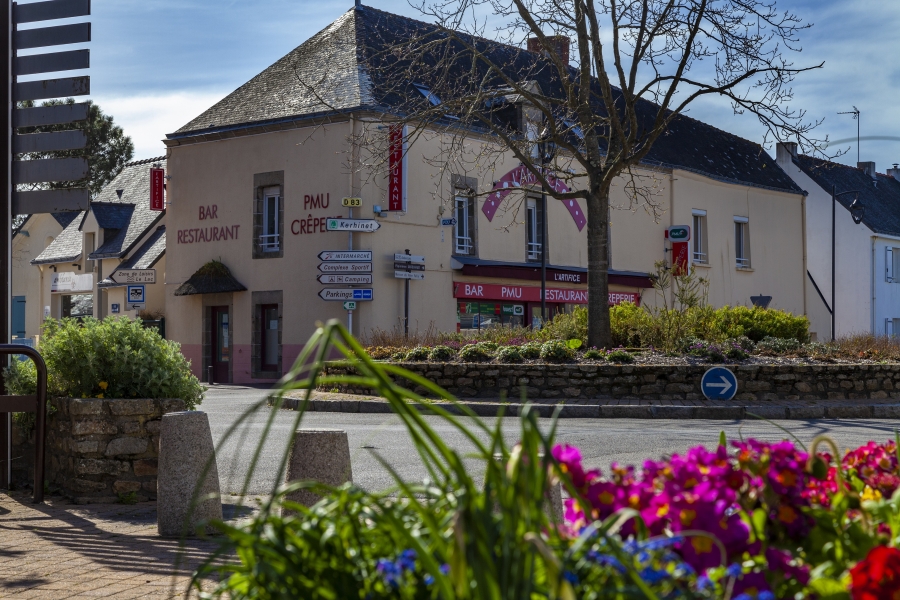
103,385
870,494
99,395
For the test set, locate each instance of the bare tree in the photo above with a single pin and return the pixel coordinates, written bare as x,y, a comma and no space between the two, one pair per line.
579,123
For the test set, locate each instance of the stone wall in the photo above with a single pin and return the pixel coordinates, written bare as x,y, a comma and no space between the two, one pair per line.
97,449
584,383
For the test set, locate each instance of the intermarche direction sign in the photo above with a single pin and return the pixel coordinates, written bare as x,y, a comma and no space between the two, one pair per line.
355,225
719,383
345,267
345,255
341,294
134,276
330,279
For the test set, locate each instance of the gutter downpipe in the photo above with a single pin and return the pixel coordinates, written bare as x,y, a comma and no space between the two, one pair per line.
803,236
872,279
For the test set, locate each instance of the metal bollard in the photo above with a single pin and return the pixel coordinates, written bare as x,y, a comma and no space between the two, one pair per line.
209,376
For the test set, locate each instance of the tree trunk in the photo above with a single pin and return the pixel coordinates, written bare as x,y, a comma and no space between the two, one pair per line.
599,334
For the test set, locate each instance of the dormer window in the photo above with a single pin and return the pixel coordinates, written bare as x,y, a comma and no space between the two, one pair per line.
429,95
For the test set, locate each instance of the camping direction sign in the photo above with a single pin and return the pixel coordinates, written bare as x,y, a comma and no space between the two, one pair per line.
360,225
719,383
347,279
134,276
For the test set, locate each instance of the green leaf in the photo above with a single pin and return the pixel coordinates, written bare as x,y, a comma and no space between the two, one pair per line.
829,589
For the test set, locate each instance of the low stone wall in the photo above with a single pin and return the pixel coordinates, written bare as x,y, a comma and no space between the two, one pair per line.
97,449
584,383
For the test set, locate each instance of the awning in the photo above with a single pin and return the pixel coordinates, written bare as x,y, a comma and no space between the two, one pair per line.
477,267
212,278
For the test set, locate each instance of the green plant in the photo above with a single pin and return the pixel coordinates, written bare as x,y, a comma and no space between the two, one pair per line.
530,350
127,498
399,356
418,354
594,354
488,346
509,354
566,326
112,358
474,353
556,351
574,344
775,346
620,356
441,354
631,325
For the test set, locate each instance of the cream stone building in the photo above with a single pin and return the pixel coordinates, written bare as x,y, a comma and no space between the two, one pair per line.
258,178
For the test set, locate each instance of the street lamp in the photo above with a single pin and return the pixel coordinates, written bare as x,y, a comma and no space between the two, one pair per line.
857,210
546,152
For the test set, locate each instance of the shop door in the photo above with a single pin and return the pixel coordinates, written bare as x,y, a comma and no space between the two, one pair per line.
221,344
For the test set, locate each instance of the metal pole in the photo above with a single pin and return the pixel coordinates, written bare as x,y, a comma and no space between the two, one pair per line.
833,253
6,75
350,247
406,305
544,253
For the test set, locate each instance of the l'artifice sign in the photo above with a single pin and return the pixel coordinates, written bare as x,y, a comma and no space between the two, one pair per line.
397,168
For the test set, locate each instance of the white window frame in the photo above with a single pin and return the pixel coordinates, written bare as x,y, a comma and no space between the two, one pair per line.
742,242
270,241
533,247
892,265
463,238
698,243
892,327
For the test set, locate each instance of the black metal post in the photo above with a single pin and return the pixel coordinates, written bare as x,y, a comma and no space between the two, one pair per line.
833,253
6,226
209,374
406,305
544,253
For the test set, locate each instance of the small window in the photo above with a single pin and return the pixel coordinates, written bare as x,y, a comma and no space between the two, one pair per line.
464,230
698,243
268,323
892,266
270,239
534,225
742,242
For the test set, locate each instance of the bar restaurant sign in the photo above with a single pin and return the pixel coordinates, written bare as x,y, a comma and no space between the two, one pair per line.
71,282
528,293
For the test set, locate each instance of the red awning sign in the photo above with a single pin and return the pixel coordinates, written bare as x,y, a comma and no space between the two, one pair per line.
527,293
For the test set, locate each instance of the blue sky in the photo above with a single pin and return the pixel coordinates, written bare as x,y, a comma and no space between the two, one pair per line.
156,64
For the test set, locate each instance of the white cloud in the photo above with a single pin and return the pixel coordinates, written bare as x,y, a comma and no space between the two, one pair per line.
148,118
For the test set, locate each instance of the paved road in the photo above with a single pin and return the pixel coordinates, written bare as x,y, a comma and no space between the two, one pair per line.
601,440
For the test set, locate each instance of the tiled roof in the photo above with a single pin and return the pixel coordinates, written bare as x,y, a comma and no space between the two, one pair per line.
134,181
341,67
64,218
111,215
879,196
66,247
150,251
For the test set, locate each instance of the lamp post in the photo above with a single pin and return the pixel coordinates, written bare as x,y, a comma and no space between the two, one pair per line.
856,212
546,150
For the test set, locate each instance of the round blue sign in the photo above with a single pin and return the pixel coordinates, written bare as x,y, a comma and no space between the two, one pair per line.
719,383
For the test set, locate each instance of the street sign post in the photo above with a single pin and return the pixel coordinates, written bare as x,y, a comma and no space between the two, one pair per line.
345,255
413,258
407,275
135,294
448,222
350,305
404,265
719,383
136,305
408,266
353,225
344,279
134,276
345,267
341,294
679,233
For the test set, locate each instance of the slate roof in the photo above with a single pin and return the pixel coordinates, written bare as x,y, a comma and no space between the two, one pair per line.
879,196
147,255
66,247
339,69
211,278
134,181
64,218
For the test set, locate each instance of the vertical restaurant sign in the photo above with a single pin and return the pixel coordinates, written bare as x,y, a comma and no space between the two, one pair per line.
157,189
397,165
680,258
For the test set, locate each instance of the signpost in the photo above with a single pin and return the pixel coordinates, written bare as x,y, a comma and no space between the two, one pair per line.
350,305
15,172
351,202
345,267
134,276
345,279
341,294
359,225
404,265
348,255
448,222
135,294
719,383
407,275
680,235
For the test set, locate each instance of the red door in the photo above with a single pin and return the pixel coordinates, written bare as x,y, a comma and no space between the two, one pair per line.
221,344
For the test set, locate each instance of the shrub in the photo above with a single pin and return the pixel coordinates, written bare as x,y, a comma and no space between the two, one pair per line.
594,354
509,354
630,325
112,358
380,352
399,356
441,354
703,349
735,351
556,351
759,323
418,354
774,346
488,346
531,350
474,353
620,356
566,326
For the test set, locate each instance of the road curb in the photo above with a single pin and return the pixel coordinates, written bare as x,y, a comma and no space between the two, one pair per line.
620,411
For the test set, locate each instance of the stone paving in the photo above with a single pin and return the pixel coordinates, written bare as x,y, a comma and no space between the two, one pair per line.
59,550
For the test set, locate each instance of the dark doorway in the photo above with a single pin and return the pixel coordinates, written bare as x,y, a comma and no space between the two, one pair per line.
268,341
220,343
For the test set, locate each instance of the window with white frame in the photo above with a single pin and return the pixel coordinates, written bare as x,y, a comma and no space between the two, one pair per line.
742,242
535,229
464,230
698,241
270,239
891,327
892,266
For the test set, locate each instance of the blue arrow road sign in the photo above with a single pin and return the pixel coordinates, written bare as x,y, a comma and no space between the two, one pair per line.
365,294
719,383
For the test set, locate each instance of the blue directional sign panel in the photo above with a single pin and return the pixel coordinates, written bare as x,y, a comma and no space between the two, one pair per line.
362,294
719,383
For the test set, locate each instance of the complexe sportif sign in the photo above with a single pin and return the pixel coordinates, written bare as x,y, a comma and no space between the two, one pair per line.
524,293
345,267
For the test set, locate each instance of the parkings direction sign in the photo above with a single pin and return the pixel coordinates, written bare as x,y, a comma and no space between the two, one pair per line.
134,276
342,294
360,225
345,255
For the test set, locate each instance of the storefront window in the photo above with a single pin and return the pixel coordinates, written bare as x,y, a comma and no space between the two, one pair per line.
479,315
77,305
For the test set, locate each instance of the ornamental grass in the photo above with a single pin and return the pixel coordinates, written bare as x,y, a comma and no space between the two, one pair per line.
736,519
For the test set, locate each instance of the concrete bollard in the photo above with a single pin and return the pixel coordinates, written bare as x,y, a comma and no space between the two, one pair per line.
321,455
185,446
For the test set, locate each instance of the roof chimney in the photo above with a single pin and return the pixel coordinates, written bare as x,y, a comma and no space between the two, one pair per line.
559,43
868,168
895,172
785,151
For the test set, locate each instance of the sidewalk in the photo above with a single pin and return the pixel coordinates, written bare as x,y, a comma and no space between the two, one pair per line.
59,550
887,408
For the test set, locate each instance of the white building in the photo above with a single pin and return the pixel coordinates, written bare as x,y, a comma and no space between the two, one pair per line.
867,253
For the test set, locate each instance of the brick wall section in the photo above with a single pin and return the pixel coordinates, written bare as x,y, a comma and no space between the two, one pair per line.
97,449
585,383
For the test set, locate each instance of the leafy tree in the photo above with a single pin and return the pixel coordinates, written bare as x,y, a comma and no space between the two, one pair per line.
108,149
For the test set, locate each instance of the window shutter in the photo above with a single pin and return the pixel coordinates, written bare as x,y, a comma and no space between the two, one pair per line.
889,265
895,267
